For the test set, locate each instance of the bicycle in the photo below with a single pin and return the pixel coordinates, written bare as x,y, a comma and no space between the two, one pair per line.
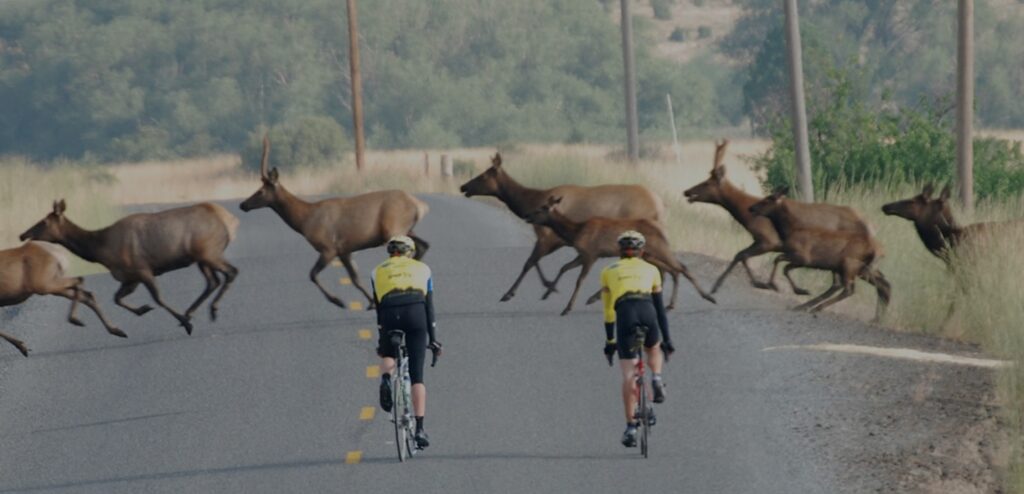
642,412
401,389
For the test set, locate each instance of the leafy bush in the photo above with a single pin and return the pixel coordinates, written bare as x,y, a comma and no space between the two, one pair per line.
852,142
662,9
703,32
464,168
306,141
678,35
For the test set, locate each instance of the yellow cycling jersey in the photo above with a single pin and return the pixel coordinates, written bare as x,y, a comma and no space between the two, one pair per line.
627,275
402,274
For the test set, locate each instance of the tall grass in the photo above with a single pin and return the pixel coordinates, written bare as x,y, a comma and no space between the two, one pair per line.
27,192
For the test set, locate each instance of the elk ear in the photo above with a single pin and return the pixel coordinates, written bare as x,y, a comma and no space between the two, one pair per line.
719,172
272,175
946,192
496,160
780,192
60,206
928,190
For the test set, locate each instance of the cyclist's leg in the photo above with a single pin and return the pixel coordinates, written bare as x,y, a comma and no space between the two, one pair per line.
625,322
647,316
387,352
416,344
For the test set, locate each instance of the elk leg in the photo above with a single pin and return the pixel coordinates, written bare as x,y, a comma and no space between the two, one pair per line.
230,273
796,289
76,295
882,287
836,285
587,264
212,283
321,263
541,248
683,270
569,265
155,293
126,289
741,257
771,276
848,288
421,249
20,345
346,260
663,268
596,297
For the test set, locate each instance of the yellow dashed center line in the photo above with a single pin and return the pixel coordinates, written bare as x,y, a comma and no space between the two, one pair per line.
367,413
353,457
355,305
365,334
345,281
373,371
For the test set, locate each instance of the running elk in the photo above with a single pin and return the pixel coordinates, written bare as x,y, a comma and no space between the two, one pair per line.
38,269
848,255
718,190
579,203
338,227
597,237
138,248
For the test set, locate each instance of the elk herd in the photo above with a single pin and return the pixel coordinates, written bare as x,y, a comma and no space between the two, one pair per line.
138,248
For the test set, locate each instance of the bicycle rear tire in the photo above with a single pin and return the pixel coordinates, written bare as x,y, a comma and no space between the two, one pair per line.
398,408
644,418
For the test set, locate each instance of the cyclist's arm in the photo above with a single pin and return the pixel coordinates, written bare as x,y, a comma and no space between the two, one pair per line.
373,292
609,309
659,308
430,310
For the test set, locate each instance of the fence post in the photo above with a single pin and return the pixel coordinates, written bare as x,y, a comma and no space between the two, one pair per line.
446,166
426,164
672,123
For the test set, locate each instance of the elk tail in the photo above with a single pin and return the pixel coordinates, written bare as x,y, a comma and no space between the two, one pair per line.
229,220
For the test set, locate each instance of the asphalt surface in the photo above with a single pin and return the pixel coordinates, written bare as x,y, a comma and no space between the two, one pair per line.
269,398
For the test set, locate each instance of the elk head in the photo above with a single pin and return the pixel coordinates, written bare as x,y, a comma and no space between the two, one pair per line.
50,228
268,193
543,215
771,203
710,190
486,183
922,209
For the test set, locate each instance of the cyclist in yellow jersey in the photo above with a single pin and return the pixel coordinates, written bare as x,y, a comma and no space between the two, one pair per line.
631,292
404,292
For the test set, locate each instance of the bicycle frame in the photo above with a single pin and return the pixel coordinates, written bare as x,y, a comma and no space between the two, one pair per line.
401,413
642,409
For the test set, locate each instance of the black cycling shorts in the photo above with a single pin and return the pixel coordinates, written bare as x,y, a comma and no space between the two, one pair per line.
411,318
628,315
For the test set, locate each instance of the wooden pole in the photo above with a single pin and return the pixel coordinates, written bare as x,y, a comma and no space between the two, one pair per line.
965,104
632,134
796,85
672,123
357,83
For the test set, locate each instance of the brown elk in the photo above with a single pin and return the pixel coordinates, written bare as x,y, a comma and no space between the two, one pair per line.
579,203
848,255
139,247
37,268
718,190
337,227
596,238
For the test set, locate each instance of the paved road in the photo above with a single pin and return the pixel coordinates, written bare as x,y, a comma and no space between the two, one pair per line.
269,398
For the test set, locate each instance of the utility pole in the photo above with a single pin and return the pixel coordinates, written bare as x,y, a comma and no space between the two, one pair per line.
965,103
796,85
632,134
357,83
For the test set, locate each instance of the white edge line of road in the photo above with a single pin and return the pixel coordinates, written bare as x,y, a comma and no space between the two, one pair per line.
898,353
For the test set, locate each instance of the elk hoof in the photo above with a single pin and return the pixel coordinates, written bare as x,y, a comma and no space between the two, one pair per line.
213,313
566,311
670,306
76,322
800,291
709,298
142,310
188,326
117,332
22,348
508,296
757,284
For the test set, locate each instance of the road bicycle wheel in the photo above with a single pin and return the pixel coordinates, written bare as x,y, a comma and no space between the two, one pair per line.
399,415
644,416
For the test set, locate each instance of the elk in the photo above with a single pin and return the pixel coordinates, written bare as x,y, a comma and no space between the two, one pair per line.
139,247
579,203
597,237
848,255
37,268
939,232
337,227
718,190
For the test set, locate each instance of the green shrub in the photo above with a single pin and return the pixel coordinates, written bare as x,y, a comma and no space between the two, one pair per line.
306,141
703,32
678,35
854,143
464,168
662,9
